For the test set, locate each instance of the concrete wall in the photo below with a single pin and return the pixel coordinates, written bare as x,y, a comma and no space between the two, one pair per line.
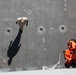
57,19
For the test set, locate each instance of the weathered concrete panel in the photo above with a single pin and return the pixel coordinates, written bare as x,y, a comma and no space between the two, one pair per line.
36,51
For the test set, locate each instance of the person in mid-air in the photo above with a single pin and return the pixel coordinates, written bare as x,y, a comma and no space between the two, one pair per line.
15,45
70,54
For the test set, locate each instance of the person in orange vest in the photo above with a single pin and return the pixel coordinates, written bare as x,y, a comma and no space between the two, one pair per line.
70,54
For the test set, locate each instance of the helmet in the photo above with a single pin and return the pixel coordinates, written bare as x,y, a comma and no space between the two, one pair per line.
72,44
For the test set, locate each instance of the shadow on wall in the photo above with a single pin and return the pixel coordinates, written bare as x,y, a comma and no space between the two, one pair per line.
14,47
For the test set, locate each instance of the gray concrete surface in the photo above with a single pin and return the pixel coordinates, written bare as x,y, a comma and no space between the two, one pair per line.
39,48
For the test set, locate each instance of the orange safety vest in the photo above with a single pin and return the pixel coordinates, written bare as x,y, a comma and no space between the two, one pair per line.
73,43
68,55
